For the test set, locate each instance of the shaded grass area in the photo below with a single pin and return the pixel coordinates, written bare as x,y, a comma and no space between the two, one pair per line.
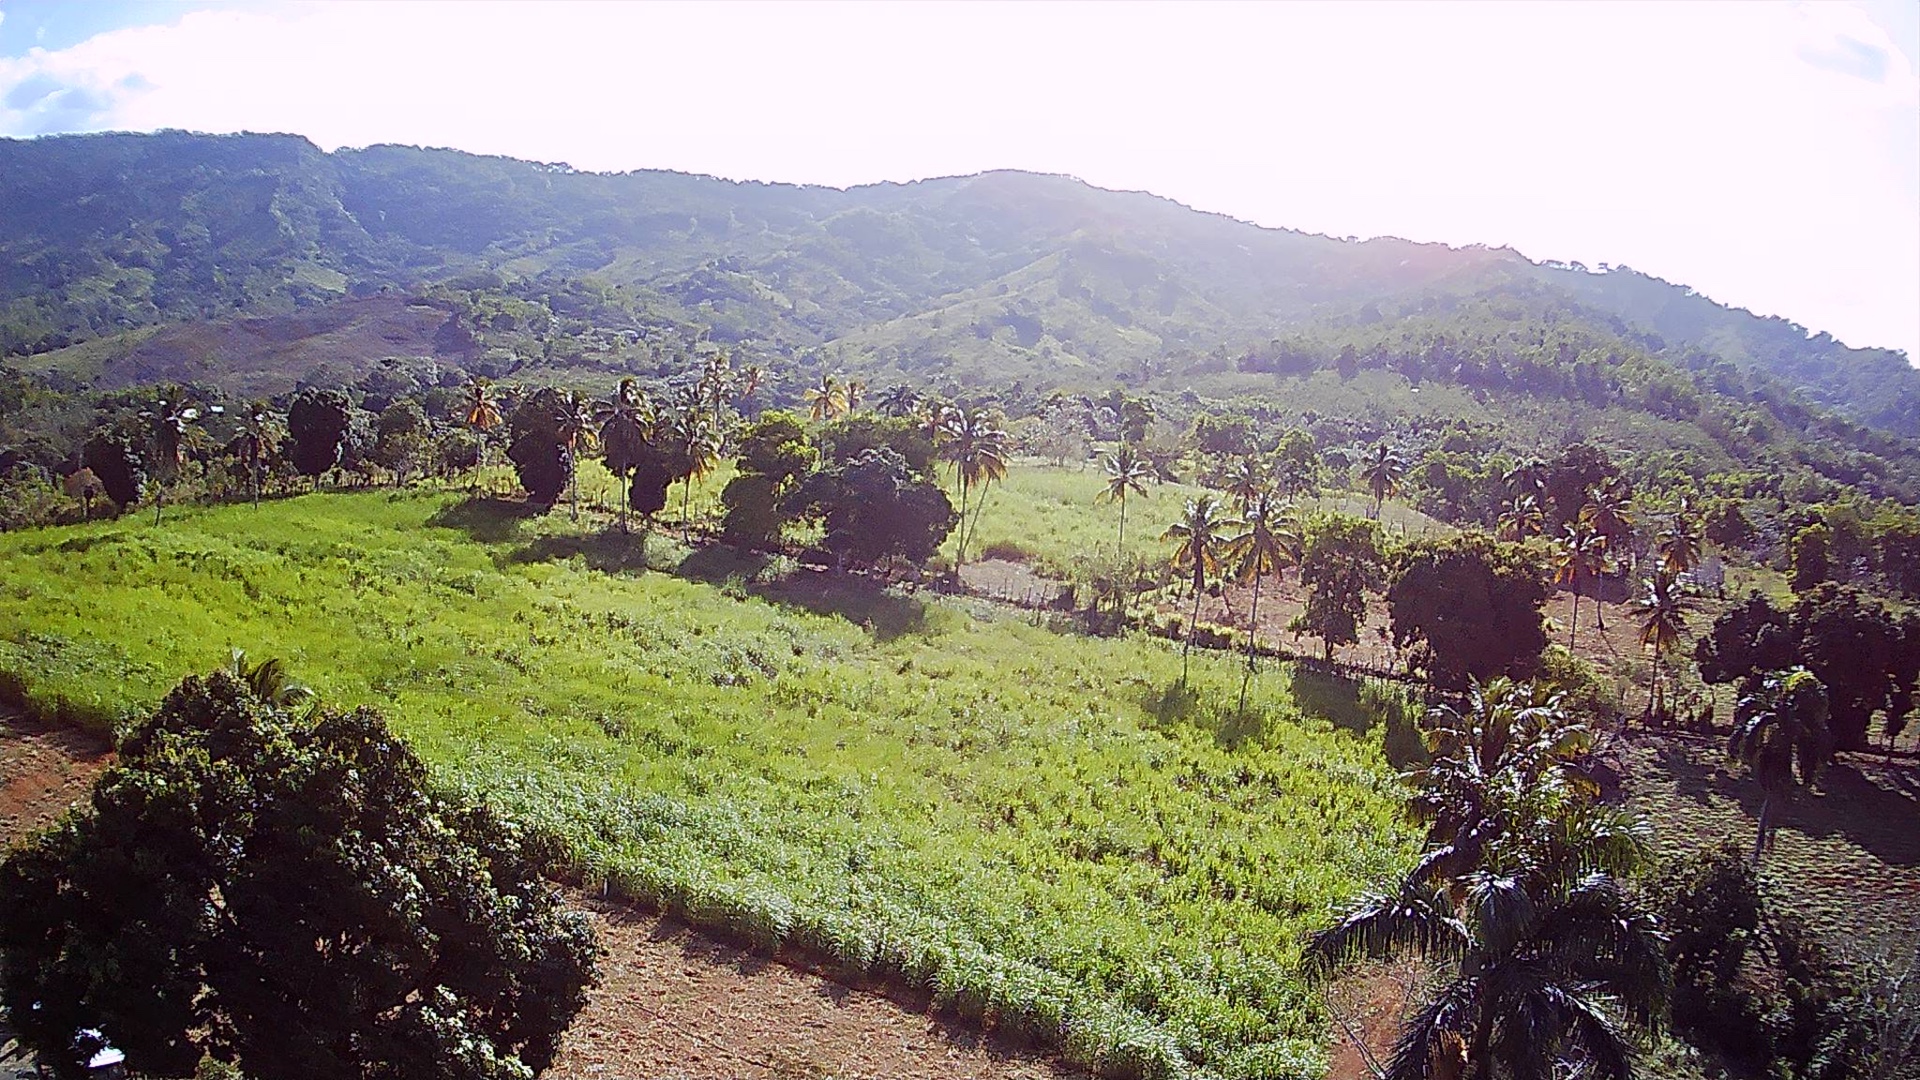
1845,855
1043,831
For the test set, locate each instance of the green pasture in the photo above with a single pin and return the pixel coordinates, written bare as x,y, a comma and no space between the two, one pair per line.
1045,831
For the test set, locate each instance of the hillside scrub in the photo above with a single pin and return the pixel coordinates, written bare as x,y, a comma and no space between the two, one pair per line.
1042,831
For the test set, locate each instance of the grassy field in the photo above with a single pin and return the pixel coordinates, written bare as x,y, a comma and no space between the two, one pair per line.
1042,830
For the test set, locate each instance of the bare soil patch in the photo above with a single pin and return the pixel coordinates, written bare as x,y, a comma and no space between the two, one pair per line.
671,1005
43,771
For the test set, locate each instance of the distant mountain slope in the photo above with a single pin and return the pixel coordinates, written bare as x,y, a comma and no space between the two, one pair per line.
1001,275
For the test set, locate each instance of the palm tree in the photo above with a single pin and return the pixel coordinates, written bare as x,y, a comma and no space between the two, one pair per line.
1663,617
577,426
1246,480
1542,977
899,400
268,680
853,391
1529,477
1270,543
482,415
932,416
1577,556
1521,518
256,438
1608,511
1519,895
1126,471
750,382
626,422
1678,546
167,424
1200,537
699,448
978,447
1780,730
1382,469
716,386
826,400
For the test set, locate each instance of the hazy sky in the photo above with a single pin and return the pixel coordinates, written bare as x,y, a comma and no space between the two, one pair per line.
1766,154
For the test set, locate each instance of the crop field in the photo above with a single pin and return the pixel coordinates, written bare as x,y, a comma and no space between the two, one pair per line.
1046,832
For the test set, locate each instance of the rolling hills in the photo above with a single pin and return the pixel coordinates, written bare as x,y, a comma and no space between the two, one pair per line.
996,277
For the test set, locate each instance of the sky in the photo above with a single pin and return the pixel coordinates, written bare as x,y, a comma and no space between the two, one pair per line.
1766,154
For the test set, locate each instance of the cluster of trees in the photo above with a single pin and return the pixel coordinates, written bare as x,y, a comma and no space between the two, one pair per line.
268,883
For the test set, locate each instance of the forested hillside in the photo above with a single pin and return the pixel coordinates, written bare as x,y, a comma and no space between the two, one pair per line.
988,278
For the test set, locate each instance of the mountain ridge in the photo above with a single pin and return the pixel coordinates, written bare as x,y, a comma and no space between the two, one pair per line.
1051,274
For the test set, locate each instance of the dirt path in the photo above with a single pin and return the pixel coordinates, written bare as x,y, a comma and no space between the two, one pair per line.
671,1004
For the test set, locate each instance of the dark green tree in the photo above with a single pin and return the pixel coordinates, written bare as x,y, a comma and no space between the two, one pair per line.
115,458
538,447
1340,563
292,895
401,438
317,422
1471,607
775,454
876,507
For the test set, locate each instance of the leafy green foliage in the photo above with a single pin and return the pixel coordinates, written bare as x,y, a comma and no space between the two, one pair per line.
876,507
291,895
1471,607
317,423
1340,563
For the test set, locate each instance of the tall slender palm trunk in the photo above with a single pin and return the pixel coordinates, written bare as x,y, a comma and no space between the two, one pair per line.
1193,628
1253,637
1121,544
1573,623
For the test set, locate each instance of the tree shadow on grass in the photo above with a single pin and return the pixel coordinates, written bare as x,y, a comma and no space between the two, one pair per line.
485,518
866,603
1866,804
610,552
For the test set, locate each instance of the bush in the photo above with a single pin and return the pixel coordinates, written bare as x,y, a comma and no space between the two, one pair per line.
179,912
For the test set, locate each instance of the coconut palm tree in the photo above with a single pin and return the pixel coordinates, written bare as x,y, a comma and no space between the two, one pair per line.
977,446
482,413
932,418
699,449
1382,469
626,422
1521,518
1269,543
268,680
1678,546
167,423
254,442
1577,556
1544,979
1663,617
1548,959
1246,480
899,400
826,400
1526,478
1609,511
854,391
578,423
1780,732
751,379
716,386
1126,472
1200,539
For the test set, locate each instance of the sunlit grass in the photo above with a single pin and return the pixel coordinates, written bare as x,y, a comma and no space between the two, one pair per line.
1042,829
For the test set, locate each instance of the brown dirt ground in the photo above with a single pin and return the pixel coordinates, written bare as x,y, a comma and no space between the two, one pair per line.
671,1005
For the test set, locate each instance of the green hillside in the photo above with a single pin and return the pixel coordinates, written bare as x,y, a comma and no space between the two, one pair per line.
997,277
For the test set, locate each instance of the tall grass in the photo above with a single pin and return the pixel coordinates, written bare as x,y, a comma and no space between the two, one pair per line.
1045,832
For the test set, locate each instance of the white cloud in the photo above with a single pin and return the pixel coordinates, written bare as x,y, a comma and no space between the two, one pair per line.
1766,155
